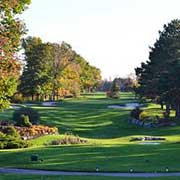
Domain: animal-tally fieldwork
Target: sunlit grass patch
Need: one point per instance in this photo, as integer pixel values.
(108, 135)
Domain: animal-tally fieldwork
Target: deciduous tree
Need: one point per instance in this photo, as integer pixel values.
(11, 30)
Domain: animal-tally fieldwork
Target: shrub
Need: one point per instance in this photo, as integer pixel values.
(115, 89)
(68, 139)
(27, 111)
(115, 95)
(6, 123)
(10, 138)
(2, 135)
(54, 142)
(16, 143)
(1, 145)
(11, 131)
(35, 131)
(143, 115)
(23, 121)
(136, 112)
(111, 94)
(17, 98)
(108, 94)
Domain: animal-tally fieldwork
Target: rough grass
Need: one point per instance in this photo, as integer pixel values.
(108, 133)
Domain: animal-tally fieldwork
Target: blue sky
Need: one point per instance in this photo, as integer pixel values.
(113, 35)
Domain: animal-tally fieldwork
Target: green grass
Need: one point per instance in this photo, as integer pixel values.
(106, 157)
(108, 133)
(40, 177)
(89, 118)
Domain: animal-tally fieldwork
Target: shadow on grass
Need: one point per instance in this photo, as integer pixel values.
(108, 158)
(92, 119)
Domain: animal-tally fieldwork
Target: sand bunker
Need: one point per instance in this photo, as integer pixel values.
(150, 143)
(14, 107)
(125, 106)
(51, 103)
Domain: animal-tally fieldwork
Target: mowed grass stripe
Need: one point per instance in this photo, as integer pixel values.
(108, 133)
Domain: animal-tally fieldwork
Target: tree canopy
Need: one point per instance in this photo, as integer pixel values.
(11, 30)
(159, 76)
(53, 70)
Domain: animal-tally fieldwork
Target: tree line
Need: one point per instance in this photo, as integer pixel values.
(50, 70)
(54, 70)
(126, 84)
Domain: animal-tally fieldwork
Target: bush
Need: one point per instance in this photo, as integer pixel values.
(2, 135)
(68, 139)
(17, 98)
(27, 111)
(6, 123)
(1, 145)
(143, 115)
(17, 143)
(35, 131)
(108, 94)
(115, 89)
(23, 121)
(10, 138)
(54, 142)
(136, 112)
(114, 95)
(11, 131)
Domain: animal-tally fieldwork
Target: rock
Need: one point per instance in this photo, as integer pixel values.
(173, 124)
(136, 122)
(147, 125)
(148, 138)
(141, 123)
(133, 121)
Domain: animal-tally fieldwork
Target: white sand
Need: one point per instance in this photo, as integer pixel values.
(49, 103)
(150, 143)
(126, 106)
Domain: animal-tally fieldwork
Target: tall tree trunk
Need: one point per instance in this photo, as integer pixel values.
(177, 109)
(167, 109)
(53, 96)
(38, 97)
(49, 97)
(162, 105)
(42, 97)
(32, 97)
(54, 89)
